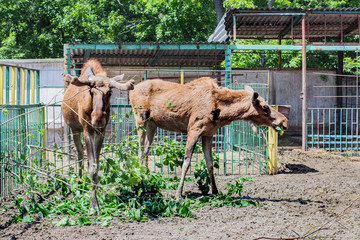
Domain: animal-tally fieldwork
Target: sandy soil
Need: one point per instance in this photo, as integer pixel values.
(311, 189)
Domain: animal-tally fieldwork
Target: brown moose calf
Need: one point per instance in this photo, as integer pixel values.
(198, 108)
(86, 108)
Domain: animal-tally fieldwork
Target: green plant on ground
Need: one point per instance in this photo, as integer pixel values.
(235, 187)
(126, 190)
(202, 175)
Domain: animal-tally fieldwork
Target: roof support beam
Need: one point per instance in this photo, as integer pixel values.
(150, 46)
(288, 28)
(296, 47)
(87, 55)
(352, 27)
(157, 56)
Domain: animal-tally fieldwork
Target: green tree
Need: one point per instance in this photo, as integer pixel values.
(39, 28)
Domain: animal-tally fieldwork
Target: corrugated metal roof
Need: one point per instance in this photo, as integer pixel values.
(277, 22)
(220, 34)
(144, 54)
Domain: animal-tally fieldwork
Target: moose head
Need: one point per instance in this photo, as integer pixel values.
(261, 114)
(100, 88)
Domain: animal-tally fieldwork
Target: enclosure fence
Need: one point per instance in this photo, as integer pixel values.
(34, 135)
(335, 128)
(19, 85)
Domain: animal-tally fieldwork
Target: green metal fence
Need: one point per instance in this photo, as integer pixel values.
(334, 129)
(22, 133)
(35, 134)
(251, 149)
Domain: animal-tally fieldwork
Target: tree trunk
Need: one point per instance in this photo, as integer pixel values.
(220, 10)
(271, 3)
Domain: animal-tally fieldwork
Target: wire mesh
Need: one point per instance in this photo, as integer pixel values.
(21, 128)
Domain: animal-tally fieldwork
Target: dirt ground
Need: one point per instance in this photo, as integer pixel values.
(313, 191)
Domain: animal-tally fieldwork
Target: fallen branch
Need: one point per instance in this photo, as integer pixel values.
(41, 196)
(46, 174)
(52, 150)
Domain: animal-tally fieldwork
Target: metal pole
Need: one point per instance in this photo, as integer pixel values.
(227, 67)
(7, 85)
(1, 84)
(234, 28)
(279, 55)
(227, 82)
(182, 77)
(67, 66)
(13, 85)
(357, 96)
(22, 86)
(37, 74)
(18, 86)
(272, 148)
(357, 79)
(32, 87)
(303, 92)
(28, 86)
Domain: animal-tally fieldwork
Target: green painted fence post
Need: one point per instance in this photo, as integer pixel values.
(28, 86)
(7, 85)
(227, 81)
(37, 76)
(18, 86)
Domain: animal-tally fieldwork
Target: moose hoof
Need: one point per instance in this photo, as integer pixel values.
(95, 209)
(177, 197)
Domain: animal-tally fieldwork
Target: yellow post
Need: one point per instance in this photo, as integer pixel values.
(1, 84)
(273, 144)
(182, 77)
(22, 86)
(13, 86)
(32, 87)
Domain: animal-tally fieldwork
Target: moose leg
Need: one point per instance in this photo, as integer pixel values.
(207, 143)
(80, 151)
(193, 136)
(145, 140)
(93, 147)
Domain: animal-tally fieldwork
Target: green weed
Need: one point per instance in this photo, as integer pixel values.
(126, 190)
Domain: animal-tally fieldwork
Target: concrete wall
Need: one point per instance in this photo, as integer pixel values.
(285, 87)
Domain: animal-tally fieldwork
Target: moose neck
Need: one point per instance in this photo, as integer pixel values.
(235, 106)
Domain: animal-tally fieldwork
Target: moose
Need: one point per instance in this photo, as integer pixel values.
(86, 108)
(198, 108)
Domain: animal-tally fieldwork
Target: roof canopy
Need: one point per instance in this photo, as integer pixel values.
(270, 23)
(143, 54)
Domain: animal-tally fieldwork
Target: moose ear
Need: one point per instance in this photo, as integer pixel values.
(254, 98)
(69, 79)
(89, 72)
(248, 88)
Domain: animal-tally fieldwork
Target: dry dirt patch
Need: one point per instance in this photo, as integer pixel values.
(310, 189)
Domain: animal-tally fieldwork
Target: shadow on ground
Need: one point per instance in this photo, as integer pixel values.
(297, 169)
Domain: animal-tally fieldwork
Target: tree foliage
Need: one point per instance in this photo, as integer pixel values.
(39, 28)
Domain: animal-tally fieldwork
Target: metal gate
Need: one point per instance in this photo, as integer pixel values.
(336, 129)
